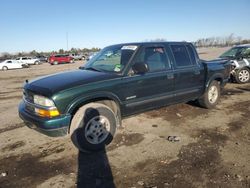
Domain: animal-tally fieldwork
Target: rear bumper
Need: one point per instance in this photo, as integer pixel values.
(53, 127)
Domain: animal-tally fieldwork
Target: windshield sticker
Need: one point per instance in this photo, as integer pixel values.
(129, 47)
(117, 68)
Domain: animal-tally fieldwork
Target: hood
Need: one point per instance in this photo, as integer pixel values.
(48, 85)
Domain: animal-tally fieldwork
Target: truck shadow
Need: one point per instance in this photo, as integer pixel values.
(94, 170)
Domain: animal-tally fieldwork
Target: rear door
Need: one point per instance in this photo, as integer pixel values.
(152, 89)
(188, 72)
(65, 58)
(25, 60)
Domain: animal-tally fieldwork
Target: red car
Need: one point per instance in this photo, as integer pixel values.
(60, 58)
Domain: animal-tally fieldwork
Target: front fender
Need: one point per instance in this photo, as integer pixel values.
(80, 101)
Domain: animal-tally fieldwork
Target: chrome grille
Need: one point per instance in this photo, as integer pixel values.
(28, 96)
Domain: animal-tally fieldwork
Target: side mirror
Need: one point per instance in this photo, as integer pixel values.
(246, 56)
(140, 68)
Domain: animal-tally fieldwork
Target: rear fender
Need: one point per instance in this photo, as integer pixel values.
(218, 77)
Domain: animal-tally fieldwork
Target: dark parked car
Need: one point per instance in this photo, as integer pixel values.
(121, 80)
(60, 58)
(42, 58)
(239, 57)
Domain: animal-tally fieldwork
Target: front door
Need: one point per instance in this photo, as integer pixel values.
(152, 89)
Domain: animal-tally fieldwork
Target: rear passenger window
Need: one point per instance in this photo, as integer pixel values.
(191, 54)
(181, 55)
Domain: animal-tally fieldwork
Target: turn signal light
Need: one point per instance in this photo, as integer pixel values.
(47, 113)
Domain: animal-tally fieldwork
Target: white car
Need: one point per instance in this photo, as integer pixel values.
(29, 60)
(77, 56)
(12, 64)
(91, 55)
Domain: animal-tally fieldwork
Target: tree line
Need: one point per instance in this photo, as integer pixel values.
(34, 53)
(229, 40)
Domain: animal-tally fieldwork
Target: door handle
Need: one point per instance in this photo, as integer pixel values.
(170, 76)
(196, 72)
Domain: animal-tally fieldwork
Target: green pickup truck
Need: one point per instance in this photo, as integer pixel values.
(121, 80)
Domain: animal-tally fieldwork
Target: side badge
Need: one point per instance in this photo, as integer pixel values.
(131, 97)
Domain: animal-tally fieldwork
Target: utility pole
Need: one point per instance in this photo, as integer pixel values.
(67, 39)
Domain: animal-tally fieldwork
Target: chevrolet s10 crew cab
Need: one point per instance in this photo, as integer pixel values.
(88, 104)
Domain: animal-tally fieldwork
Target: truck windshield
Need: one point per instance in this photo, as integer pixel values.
(233, 52)
(112, 58)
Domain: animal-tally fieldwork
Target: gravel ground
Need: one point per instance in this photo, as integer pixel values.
(213, 150)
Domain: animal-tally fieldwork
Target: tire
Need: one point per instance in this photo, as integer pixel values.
(242, 76)
(55, 63)
(4, 68)
(93, 127)
(36, 63)
(211, 97)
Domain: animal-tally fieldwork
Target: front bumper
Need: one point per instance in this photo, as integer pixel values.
(53, 127)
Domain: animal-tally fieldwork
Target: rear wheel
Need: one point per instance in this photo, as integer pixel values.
(55, 63)
(211, 97)
(242, 75)
(5, 68)
(92, 127)
(36, 63)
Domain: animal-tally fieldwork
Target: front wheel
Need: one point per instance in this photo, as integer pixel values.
(212, 95)
(92, 127)
(242, 75)
(5, 68)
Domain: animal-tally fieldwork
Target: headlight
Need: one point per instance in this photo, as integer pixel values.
(47, 109)
(43, 101)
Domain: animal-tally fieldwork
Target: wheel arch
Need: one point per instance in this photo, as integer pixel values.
(239, 68)
(6, 67)
(108, 99)
(217, 77)
(247, 67)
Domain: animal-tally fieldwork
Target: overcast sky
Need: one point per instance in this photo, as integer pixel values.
(43, 25)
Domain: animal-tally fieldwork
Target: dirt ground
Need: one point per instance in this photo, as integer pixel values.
(213, 150)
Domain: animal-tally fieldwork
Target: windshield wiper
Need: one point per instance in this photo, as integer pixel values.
(93, 69)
